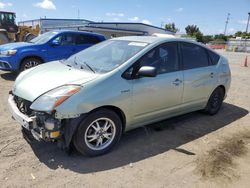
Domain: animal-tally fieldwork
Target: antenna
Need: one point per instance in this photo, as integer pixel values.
(228, 17)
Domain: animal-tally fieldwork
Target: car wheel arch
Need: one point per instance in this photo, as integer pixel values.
(115, 109)
(30, 56)
(72, 125)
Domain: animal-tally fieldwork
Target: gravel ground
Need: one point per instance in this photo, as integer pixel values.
(193, 150)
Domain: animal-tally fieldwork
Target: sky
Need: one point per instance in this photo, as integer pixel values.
(208, 15)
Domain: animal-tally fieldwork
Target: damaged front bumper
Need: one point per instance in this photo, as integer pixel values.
(42, 126)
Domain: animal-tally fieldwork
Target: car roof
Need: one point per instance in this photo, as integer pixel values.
(78, 32)
(157, 39)
(147, 39)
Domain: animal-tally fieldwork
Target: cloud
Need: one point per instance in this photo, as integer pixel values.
(113, 14)
(134, 19)
(243, 22)
(179, 9)
(4, 5)
(46, 4)
(147, 22)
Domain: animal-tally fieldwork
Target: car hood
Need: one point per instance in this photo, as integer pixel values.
(36, 81)
(15, 45)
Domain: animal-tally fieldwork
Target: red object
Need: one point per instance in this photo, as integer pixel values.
(245, 62)
(217, 46)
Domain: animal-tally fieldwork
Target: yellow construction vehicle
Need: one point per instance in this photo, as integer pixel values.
(10, 32)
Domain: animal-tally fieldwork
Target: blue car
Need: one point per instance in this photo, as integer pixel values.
(50, 46)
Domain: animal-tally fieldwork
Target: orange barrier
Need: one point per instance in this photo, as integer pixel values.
(245, 62)
(217, 46)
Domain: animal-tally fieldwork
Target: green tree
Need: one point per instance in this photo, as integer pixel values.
(238, 34)
(192, 30)
(199, 37)
(221, 37)
(207, 38)
(171, 27)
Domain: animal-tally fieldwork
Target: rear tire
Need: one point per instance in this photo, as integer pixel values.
(215, 101)
(3, 38)
(98, 133)
(29, 63)
(28, 37)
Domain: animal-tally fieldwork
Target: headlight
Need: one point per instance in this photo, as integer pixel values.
(49, 101)
(8, 52)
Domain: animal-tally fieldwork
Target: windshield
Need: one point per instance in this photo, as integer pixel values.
(41, 39)
(105, 56)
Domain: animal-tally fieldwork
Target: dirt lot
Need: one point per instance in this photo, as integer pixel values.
(194, 150)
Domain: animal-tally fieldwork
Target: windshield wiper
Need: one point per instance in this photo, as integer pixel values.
(89, 67)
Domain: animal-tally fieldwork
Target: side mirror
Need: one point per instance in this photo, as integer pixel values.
(147, 71)
(55, 43)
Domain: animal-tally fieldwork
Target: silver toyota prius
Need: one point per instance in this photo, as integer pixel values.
(90, 99)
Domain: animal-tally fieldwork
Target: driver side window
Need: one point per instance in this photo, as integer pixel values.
(164, 58)
(65, 39)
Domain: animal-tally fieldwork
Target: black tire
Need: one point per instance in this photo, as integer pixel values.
(215, 101)
(29, 63)
(85, 128)
(28, 37)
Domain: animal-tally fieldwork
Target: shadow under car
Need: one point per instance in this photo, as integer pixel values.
(141, 143)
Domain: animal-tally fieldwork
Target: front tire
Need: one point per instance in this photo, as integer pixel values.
(98, 133)
(215, 101)
(29, 63)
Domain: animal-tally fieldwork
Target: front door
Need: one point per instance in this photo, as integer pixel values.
(155, 97)
(65, 48)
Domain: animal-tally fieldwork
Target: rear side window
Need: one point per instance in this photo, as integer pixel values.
(193, 56)
(213, 57)
(87, 39)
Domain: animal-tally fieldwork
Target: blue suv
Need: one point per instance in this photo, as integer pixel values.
(50, 46)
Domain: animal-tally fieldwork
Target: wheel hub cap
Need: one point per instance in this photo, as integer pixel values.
(100, 134)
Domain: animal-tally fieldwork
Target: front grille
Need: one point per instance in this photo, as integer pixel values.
(23, 105)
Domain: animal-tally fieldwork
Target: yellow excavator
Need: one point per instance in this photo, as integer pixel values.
(10, 32)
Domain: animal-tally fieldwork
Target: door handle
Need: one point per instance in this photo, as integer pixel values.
(177, 82)
(211, 74)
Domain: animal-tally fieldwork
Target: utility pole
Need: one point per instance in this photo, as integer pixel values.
(225, 31)
(247, 31)
(162, 24)
(248, 22)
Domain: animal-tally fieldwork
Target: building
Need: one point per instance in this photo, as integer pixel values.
(238, 45)
(108, 29)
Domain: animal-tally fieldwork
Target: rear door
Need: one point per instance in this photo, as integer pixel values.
(155, 97)
(199, 76)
